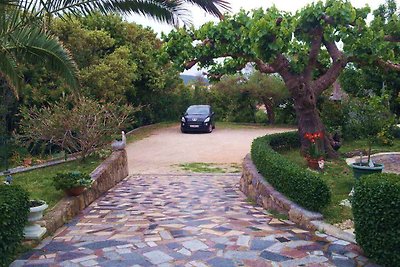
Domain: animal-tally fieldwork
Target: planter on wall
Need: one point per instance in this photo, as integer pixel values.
(365, 169)
(75, 191)
(33, 230)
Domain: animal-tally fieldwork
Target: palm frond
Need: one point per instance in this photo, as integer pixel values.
(162, 10)
(213, 7)
(32, 44)
(8, 72)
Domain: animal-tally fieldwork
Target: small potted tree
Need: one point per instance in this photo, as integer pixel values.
(371, 116)
(73, 183)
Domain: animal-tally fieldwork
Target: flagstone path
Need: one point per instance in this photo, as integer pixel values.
(185, 220)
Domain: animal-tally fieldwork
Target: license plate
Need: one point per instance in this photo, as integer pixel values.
(194, 126)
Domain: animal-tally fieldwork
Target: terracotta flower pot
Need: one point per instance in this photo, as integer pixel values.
(312, 163)
(75, 191)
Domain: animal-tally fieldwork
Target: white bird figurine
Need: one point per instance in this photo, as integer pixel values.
(119, 145)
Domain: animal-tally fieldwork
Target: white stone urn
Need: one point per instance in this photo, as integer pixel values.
(33, 230)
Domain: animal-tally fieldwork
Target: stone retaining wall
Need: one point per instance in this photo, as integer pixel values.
(110, 172)
(254, 186)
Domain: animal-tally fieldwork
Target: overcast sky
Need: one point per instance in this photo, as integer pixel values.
(199, 17)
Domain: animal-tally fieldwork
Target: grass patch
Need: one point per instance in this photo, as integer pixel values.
(142, 133)
(39, 182)
(376, 148)
(251, 201)
(339, 177)
(202, 167)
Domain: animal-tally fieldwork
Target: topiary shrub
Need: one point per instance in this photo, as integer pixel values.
(302, 186)
(14, 210)
(376, 210)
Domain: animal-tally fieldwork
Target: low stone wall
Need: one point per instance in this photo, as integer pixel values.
(109, 173)
(254, 186)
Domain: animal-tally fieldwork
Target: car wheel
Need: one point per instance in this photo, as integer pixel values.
(182, 130)
(210, 128)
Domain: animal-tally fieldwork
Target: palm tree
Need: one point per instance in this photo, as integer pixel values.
(23, 35)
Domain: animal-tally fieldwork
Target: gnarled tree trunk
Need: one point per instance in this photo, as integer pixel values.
(269, 107)
(309, 121)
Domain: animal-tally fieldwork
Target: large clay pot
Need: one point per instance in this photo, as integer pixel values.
(75, 191)
(364, 169)
(33, 230)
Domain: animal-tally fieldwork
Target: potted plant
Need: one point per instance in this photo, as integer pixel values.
(315, 153)
(73, 183)
(33, 230)
(370, 117)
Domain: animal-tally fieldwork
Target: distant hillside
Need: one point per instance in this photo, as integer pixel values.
(189, 78)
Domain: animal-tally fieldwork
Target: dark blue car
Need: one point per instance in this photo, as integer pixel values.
(199, 118)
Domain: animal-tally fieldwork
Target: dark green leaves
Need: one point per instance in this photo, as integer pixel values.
(376, 212)
(14, 209)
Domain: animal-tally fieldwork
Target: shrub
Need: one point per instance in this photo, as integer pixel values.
(333, 115)
(75, 123)
(285, 112)
(367, 117)
(376, 213)
(396, 131)
(302, 186)
(71, 179)
(14, 210)
(261, 116)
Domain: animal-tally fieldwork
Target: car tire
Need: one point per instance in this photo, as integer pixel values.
(182, 130)
(210, 128)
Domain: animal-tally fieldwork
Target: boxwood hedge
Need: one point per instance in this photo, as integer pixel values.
(300, 185)
(376, 210)
(14, 210)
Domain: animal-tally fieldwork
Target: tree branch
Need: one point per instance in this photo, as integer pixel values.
(392, 38)
(282, 66)
(263, 67)
(332, 74)
(314, 51)
(388, 64)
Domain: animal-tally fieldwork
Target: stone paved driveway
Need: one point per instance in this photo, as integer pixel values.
(181, 220)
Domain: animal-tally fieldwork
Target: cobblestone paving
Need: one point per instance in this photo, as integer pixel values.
(160, 220)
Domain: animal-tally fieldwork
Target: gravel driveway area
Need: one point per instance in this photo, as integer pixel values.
(167, 147)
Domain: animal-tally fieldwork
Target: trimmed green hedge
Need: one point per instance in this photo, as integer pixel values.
(14, 210)
(302, 186)
(376, 210)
